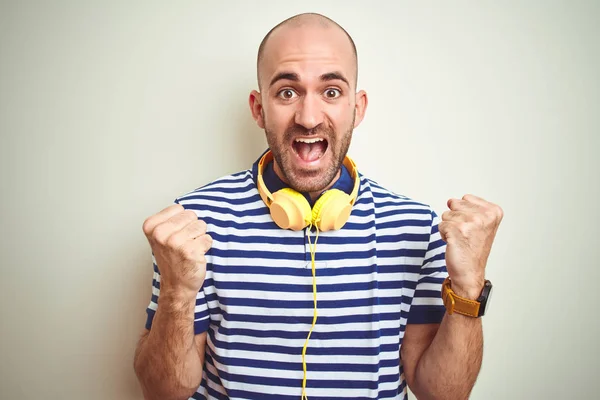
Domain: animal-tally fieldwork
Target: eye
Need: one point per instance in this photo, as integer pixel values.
(332, 93)
(286, 94)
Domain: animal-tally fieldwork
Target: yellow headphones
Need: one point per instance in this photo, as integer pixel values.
(290, 209)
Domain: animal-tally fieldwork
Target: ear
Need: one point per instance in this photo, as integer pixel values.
(361, 107)
(256, 108)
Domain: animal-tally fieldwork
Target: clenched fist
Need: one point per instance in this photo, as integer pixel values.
(179, 241)
(469, 229)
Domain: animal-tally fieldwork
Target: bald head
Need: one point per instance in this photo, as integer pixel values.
(292, 26)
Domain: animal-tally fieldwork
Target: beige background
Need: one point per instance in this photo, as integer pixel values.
(109, 110)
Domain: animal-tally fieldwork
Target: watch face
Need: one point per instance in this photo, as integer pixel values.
(489, 298)
(485, 298)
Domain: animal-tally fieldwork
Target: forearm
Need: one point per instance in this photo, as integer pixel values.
(167, 361)
(449, 367)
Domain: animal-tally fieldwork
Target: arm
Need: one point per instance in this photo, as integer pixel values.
(169, 358)
(442, 361)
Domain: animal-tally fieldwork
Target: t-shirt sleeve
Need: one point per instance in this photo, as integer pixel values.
(201, 315)
(427, 306)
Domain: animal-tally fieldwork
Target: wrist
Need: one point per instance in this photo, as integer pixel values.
(468, 289)
(180, 298)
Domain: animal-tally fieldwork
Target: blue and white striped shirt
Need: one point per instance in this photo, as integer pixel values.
(382, 270)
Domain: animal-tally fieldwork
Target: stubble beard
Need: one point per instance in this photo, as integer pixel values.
(309, 181)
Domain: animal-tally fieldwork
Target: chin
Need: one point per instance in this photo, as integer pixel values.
(309, 182)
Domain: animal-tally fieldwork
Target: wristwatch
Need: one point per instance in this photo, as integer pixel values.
(471, 308)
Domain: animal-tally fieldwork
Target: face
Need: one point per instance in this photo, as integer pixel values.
(308, 106)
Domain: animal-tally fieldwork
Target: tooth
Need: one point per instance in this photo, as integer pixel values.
(309, 140)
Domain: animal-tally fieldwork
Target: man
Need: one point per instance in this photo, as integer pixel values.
(239, 294)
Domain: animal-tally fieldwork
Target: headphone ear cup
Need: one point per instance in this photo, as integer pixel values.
(332, 210)
(290, 210)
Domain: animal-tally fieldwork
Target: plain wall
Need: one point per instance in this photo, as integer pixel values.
(109, 110)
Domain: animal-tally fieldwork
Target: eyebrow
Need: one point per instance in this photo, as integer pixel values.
(333, 76)
(292, 76)
(288, 76)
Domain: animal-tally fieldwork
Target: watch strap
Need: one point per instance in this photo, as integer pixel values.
(456, 304)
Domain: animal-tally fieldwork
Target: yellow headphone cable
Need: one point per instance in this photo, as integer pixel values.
(313, 250)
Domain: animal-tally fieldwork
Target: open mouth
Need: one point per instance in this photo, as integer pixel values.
(310, 149)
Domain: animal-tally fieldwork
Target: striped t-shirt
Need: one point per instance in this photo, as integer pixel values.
(382, 270)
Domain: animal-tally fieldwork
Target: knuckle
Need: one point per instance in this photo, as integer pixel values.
(201, 225)
(147, 226)
(197, 229)
(175, 207)
(463, 228)
(173, 242)
(443, 227)
(491, 216)
(188, 251)
(478, 219)
(160, 234)
(500, 212)
(208, 240)
(194, 229)
(190, 214)
(494, 213)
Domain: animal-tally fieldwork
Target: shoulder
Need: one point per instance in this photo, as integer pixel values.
(238, 183)
(388, 203)
(225, 193)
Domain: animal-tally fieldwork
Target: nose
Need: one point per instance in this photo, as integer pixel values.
(309, 113)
